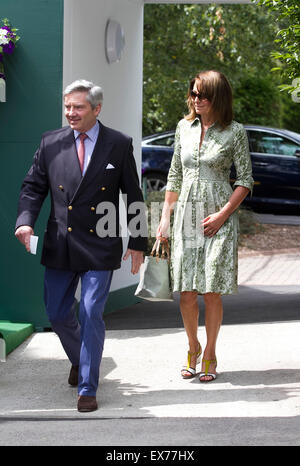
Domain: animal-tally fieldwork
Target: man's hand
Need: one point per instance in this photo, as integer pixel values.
(23, 234)
(137, 258)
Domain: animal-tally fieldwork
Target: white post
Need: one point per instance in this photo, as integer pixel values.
(2, 90)
(2, 350)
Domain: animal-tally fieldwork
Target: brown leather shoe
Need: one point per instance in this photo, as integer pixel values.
(86, 403)
(73, 376)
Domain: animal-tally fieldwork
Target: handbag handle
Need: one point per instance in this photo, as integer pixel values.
(165, 250)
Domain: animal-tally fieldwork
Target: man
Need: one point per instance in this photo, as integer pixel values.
(84, 166)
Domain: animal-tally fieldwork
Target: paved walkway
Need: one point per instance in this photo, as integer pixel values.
(277, 269)
(142, 398)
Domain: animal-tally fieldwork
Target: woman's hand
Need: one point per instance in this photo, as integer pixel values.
(212, 224)
(162, 232)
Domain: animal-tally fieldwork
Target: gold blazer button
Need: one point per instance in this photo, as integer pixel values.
(93, 208)
(61, 187)
(70, 207)
(69, 229)
(103, 188)
(91, 231)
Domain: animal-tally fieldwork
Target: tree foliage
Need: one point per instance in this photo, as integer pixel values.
(181, 40)
(288, 39)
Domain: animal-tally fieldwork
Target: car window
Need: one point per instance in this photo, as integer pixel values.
(163, 141)
(271, 143)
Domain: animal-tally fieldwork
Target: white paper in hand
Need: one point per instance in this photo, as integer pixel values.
(33, 244)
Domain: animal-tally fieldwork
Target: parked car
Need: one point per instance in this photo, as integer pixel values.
(275, 155)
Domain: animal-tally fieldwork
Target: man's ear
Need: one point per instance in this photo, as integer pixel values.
(98, 109)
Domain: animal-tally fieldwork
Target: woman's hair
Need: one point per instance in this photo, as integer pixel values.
(94, 93)
(216, 88)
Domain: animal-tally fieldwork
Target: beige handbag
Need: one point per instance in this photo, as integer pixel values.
(155, 282)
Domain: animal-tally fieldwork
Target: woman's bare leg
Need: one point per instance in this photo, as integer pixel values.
(213, 321)
(190, 315)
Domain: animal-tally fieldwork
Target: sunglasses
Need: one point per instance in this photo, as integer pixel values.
(200, 96)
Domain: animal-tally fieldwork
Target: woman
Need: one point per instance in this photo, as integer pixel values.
(205, 229)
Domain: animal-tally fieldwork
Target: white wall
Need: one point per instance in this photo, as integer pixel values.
(84, 57)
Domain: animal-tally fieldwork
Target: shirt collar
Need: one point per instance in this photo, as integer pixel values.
(91, 133)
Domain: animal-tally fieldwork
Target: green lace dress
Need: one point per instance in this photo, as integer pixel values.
(201, 178)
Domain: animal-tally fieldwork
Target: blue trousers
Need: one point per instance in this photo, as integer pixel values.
(82, 339)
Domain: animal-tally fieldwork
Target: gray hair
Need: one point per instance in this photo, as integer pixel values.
(94, 93)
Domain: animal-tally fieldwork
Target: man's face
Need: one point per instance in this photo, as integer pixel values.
(79, 112)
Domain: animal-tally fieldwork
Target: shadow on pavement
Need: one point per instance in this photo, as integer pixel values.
(251, 305)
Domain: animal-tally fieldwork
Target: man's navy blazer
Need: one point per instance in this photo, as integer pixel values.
(71, 241)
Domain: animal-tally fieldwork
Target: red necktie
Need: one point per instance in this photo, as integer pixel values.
(81, 150)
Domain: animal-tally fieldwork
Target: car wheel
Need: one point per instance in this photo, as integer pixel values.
(155, 182)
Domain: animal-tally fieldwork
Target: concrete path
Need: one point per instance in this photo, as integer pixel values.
(275, 270)
(143, 400)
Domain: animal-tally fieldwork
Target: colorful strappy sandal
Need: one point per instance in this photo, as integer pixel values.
(191, 371)
(207, 363)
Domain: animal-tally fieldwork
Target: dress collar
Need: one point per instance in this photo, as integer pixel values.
(196, 121)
